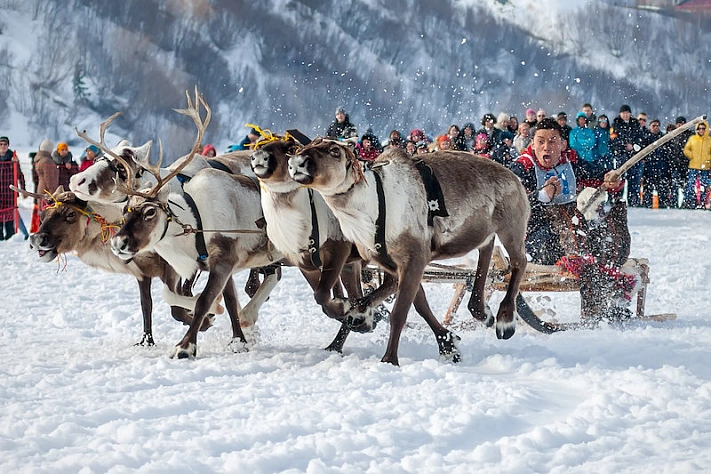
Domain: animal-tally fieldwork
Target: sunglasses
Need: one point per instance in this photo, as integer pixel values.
(642, 120)
(701, 128)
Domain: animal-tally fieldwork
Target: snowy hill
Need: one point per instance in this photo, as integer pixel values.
(283, 64)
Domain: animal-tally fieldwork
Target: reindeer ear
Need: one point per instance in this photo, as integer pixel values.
(142, 153)
(163, 194)
(59, 190)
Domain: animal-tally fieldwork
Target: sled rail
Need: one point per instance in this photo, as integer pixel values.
(540, 278)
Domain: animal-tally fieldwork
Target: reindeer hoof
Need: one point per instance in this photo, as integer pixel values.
(185, 353)
(448, 349)
(505, 331)
(238, 346)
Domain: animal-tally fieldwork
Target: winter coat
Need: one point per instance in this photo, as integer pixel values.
(698, 149)
(47, 172)
(525, 168)
(602, 143)
(342, 130)
(622, 133)
(582, 140)
(658, 162)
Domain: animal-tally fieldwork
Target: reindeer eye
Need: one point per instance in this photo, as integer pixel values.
(335, 152)
(71, 215)
(149, 213)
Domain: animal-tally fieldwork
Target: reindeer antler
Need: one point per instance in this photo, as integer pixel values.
(102, 144)
(46, 196)
(192, 111)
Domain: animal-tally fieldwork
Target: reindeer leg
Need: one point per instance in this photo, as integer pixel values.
(144, 289)
(249, 314)
(217, 279)
(446, 340)
(360, 317)
(237, 344)
(477, 301)
(409, 277)
(505, 320)
(350, 275)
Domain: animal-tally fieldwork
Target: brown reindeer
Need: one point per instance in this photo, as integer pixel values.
(306, 231)
(389, 214)
(71, 225)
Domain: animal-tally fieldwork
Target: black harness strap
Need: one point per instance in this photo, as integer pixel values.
(380, 245)
(314, 237)
(199, 236)
(433, 191)
(219, 166)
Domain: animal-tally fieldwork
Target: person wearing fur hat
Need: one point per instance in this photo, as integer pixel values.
(9, 170)
(342, 128)
(89, 157)
(46, 170)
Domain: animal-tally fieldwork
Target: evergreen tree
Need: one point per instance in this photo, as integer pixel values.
(81, 94)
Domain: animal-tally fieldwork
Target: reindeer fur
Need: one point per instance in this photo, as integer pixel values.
(483, 199)
(224, 201)
(66, 228)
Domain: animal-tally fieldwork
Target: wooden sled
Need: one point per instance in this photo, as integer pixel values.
(538, 278)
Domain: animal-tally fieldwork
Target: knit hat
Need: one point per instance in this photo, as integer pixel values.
(207, 148)
(530, 112)
(340, 110)
(5, 139)
(62, 146)
(46, 145)
(93, 148)
(680, 119)
(561, 115)
(625, 108)
(443, 138)
(417, 135)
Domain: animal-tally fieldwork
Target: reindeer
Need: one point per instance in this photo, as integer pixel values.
(105, 180)
(70, 224)
(157, 220)
(386, 212)
(307, 232)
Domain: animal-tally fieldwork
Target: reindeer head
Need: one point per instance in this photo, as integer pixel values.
(63, 225)
(146, 220)
(147, 215)
(106, 179)
(270, 161)
(329, 166)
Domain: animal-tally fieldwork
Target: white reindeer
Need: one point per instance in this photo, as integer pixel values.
(386, 213)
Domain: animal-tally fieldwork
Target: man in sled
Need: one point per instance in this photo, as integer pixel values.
(558, 234)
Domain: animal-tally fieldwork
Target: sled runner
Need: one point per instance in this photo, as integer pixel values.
(538, 278)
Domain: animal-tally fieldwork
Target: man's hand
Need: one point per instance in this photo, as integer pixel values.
(612, 180)
(552, 187)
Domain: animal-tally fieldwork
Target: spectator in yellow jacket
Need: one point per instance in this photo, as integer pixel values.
(698, 151)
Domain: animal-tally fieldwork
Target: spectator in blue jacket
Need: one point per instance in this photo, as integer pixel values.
(582, 139)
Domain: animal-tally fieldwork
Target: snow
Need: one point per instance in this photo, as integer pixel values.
(78, 396)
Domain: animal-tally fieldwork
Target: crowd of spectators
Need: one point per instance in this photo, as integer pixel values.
(674, 175)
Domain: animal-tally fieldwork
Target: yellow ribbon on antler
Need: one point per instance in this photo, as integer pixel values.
(267, 136)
